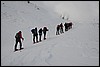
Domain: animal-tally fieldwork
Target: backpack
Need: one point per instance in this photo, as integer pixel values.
(40, 31)
(17, 35)
(32, 31)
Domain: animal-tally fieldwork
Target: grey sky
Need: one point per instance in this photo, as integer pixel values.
(83, 10)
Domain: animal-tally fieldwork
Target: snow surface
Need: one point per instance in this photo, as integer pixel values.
(77, 47)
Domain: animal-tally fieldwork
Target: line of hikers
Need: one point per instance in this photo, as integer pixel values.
(59, 28)
(35, 34)
(18, 36)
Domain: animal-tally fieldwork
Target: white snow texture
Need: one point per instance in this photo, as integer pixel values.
(78, 46)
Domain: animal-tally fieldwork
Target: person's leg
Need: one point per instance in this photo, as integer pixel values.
(44, 36)
(20, 44)
(16, 45)
(33, 38)
(40, 37)
(56, 32)
(65, 28)
(36, 38)
(62, 30)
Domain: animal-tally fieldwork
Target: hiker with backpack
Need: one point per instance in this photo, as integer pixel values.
(18, 37)
(57, 29)
(35, 35)
(66, 26)
(70, 25)
(44, 32)
(40, 34)
(61, 28)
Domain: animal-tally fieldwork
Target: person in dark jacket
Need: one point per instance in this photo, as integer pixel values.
(36, 34)
(18, 37)
(44, 32)
(57, 28)
(70, 25)
(66, 26)
(40, 33)
(61, 28)
(33, 31)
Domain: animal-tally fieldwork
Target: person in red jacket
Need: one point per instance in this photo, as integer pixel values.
(18, 39)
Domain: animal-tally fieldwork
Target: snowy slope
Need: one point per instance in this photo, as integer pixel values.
(78, 46)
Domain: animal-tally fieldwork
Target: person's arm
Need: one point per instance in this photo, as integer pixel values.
(47, 29)
(21, 36)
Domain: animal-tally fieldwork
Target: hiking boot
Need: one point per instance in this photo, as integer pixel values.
(44, 38)
(16, 50)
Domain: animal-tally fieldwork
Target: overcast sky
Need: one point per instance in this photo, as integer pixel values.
(74, 9)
